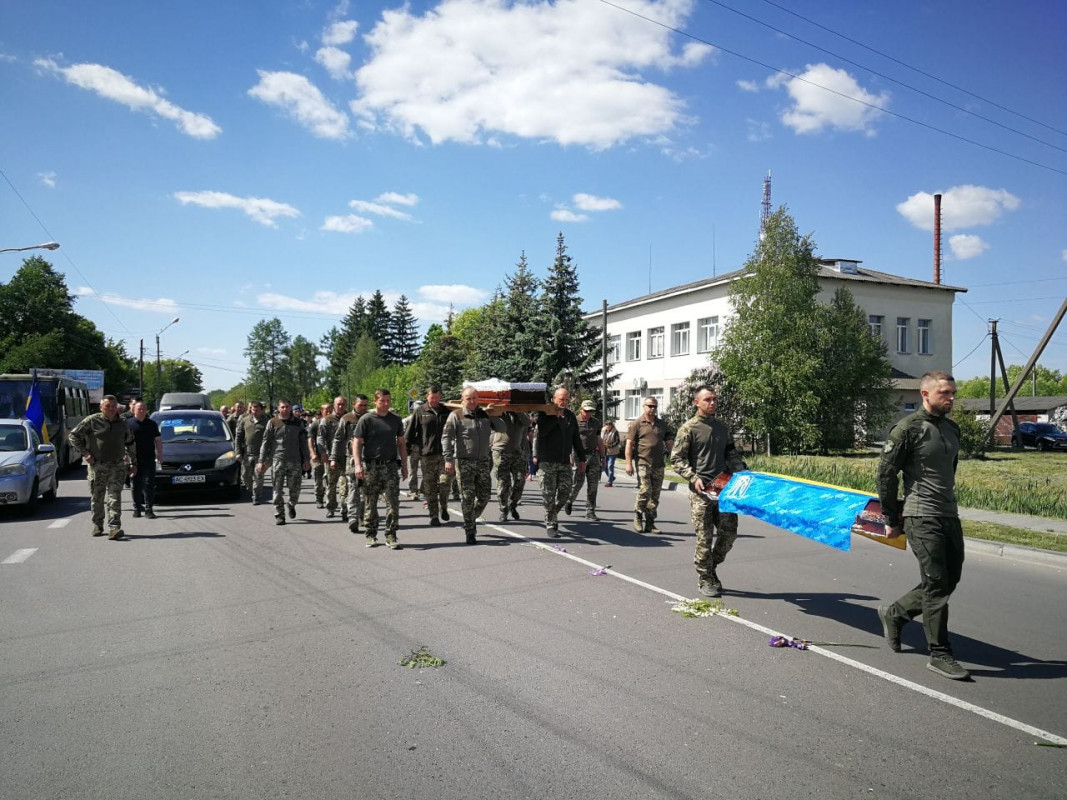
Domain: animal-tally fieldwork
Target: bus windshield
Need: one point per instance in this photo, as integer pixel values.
(15, 392)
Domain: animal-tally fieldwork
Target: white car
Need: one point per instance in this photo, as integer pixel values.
(28, 468)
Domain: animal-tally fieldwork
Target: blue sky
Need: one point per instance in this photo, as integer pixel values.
(226, 162)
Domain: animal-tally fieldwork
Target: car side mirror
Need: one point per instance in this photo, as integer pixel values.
(46, 448)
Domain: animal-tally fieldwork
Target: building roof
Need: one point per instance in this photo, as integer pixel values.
(1023, 405)
(861, 275)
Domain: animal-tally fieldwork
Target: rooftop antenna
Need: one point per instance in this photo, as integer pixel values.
(765, 210)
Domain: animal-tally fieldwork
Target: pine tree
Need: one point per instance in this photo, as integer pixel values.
(378, 325)
(302, 356)
(441, 361)
(518, 332)
(403, 333)
(268, 362)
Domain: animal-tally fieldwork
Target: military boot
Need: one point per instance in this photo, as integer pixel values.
(650, 523)
(639, 522)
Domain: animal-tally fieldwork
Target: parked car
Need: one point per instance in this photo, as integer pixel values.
(28, 468)
(182, 400)
(1042, 435)
(198, 453)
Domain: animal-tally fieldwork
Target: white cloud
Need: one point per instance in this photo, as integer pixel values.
(758, 131)
(965, 245)
(162, 305)
(456, 294)
(350, 223)
(322, 302)
(335, 62)
(212, 351)
(590, 202)
(340, 33)
(966, 206)
(113, 85)
(748, 86)
(379, 209)
(566, 215)
(260, 209)
(301, 100)
(815, 108)
(48, 179)
(472, 70)
(398, 199)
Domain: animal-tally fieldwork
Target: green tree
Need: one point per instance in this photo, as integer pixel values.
(365, 359)
(440, 362)
(331, 346)
(175, 375)
(379, 323)
(728, 407)
(1050, 383)
(267, 351)
(973, 442)
(403, 333)
(304, 368)
(766, 350)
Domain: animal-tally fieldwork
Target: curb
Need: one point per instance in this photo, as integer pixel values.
(1016, 552)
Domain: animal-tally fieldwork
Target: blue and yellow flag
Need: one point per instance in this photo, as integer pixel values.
(35, 410)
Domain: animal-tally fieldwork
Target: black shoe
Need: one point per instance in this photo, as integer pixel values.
(292, 511)
(136, 513)
(435, 522)
(256, 501)
(568, 509)
(353, 525)
(715, 583)
(503, 517)
(344, 515)
(444, 514)
(947, 667)
(319, 504)
(330, 513)
(393, 544)
(149, 513)
(552, 529)
(471, 538)
(650, 525)
(279, 519)
(890, 628)
(514, 512)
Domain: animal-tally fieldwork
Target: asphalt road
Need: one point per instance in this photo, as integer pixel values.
(213, 654)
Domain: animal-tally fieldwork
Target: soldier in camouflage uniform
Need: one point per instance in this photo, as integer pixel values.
(648, 440)
(556, 447)
(378, 447)
(424, 435)
(318, 457)
(234, 419)
(465, 445)
(509, 462)
(335, 474)
(589, 429)
(107, 445)
(704, 448)
(285, 441)
(249, 442)
(924, 447)
(341, 459)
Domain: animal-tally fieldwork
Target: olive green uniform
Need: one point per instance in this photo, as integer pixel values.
(335, 478)
(341, 453)
(649, 441)
(249, 442)
(465, 442)
(589, 430)
(111, 444)
(509, 461)
(381, 459)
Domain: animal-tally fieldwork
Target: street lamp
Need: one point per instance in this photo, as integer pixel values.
(159, 365)
(45, 246)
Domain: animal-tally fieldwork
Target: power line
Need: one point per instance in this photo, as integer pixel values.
(980, 343)
(915, 69)
(888, 77)
(850, 98)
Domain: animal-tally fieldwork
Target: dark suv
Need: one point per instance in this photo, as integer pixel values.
(1042, 435)
(198, 453)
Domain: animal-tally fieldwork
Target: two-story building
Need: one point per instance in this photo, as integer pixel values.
(657, 340)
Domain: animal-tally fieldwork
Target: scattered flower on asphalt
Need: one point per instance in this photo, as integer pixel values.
(601, 570)
(782, 641)
(421, 658)
(702, 608)
(560, 548)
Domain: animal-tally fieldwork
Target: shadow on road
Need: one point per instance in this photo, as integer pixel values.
(177, 535)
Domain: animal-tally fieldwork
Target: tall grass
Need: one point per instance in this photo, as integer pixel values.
(1020, 483)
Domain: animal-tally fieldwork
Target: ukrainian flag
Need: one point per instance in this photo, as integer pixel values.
(35, 410)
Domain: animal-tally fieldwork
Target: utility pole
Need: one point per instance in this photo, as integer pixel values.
(604, 359)
(995, 358)
(140, 372)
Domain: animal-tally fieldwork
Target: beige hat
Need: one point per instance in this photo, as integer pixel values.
(588, 405)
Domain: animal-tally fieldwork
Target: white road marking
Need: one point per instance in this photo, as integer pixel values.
(19, 556)
(60, 523)
(878, 673)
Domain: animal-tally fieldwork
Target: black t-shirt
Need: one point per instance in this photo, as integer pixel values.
(379, 435)
(144, 438)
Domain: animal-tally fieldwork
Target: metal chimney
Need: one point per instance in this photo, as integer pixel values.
(937, 238)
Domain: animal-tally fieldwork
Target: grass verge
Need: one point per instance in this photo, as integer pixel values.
(1006, 534)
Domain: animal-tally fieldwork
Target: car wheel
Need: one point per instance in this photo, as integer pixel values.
(1042, 446)
(50, 495)
(234, 492)
(31, 504)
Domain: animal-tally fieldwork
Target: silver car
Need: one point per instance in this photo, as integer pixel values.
(28, 468)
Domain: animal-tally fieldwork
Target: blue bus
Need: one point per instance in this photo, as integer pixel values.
(64, 400)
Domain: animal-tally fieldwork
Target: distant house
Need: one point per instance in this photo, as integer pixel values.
(655, 341)
(1027, 409)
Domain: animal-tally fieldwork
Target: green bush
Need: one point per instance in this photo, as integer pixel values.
(972, 434)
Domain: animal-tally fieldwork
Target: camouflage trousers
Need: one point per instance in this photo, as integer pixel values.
(509, 469)
(289, 476)
(318, 473)
(706, 520)
(556, 484)
(336, 484)
(475, 487)
(414, 461)
(106, 479)
(354, 495)
(379, 480)
(252, 480)
(591, 481)
(436, 484)
(649, 484)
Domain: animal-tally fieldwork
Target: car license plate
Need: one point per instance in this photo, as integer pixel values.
(187, 479)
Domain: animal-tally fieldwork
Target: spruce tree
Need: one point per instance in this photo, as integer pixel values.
(378, 325)
(403, 333)
(441, 361)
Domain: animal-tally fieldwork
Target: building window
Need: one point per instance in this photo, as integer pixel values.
(680, 339)
(633, 403)
(614, 349)
(657, 395)
(909, 406)
(902, 334)
(655, 342)
(707, 334)
(633, 346)
(614, 399)
(874, 322)
(923, 343)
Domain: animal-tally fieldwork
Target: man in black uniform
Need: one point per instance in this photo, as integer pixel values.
(424, 432)
(149, 448)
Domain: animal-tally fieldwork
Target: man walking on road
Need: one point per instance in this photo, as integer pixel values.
(925, 447)
(335, 475)
(341, 459)
(377, 448)
(648, 439)
(318, 456)
(107, 445)
(285, 440)
(149, 448)
(509, 462)
(424, 433)
(465, 444)
(589, 429)
(556, 447)
(249, 441)
(704, 448)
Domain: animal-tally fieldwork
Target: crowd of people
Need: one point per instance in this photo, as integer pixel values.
(357, 459)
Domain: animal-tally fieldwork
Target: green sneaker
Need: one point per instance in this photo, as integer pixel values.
(372, 542)
(947, 667)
